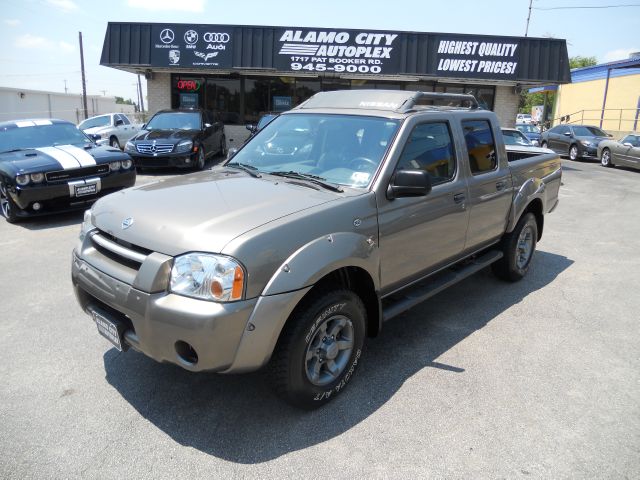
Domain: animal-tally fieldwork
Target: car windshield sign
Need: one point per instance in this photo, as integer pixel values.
(175, 121)
(334, 149)
(41, 136)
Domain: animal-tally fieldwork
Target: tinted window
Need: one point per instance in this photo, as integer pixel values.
(480, 146)
(124, 119)
(175, 120)
(632, 139)
(430, 148)
(588, 132)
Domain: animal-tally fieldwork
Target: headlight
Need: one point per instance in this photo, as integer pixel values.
(126, 164)
(129, 147)
(115, 166)
(37, 177)
(586, 143)
(22, 180)
(184, 146)
(207, 277)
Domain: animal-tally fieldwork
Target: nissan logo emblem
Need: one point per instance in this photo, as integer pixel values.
(211, 37)
(127, 222)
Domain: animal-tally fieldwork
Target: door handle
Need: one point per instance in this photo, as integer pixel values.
(459, 197)
(501, 185)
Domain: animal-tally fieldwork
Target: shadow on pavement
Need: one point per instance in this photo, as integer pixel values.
(54, 220)
(238, 419)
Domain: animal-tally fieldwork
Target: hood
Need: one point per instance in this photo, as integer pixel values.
(61, 157)
(173, 136)
(202, 211)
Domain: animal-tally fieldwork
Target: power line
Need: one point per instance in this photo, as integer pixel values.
(589, 7)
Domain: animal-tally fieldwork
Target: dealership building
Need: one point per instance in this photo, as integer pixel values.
(243, 72)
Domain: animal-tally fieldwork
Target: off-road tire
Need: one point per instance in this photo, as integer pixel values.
(295, 352)
(512, 267)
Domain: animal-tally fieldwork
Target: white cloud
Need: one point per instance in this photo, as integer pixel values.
(66, 5)
(31, 41)
(66, 47)
(12, 22)
(186, 6)
(619, 54)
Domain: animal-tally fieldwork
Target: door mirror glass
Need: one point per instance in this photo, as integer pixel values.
(95, 137)
(207, 125)
(567, 134)
(251, 127)
(231, 153)
(143, 126)
(409, 183)
(627, 144)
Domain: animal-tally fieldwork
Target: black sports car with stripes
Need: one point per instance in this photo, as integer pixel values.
(50, 166)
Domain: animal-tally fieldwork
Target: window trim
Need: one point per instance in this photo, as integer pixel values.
(495, 146)
(447, 123)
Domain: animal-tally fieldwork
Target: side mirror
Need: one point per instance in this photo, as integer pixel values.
(251, 127)
(119, 122)
(95, 137)
(627, 144)
(409, 183)
(143, 126)
(207, 125)
(231, 153)
(567, 134)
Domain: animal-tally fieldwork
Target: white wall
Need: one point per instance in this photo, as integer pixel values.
(16, 104)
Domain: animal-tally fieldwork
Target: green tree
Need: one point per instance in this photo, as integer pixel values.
(122, 101)
(579, 62)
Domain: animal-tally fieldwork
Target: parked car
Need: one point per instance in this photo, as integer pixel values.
(576, 141)
(625, 152)
(50, 166)
(114, 129)
(392, 202)
(524, 118)
(532, 132)
(182, 138)
(513, 136)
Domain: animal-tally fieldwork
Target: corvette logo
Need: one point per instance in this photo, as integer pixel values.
(205, 56)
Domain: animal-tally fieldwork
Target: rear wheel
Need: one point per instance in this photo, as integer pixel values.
(605, 158)
(518, 248)
(319, 348)
(573, 152)
(7, 205)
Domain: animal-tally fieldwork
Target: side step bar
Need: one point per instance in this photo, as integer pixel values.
(404, 300)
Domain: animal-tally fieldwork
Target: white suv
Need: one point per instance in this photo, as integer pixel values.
(523, 118)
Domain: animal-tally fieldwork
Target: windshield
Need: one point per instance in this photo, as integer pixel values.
(341, 149)
(528, 128)
(41, 136)
(514, 137)
(102, 121)
(175, 121)
(588, 132)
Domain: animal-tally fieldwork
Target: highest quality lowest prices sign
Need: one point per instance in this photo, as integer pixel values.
(336, 51)
(476, 58)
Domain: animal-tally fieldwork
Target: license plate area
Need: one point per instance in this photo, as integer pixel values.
(83, 190)
(110, 328)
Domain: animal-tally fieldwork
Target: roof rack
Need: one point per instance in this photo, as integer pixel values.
(400, 101)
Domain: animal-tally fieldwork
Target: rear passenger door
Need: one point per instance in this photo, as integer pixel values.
(417, 234)
(489, 184)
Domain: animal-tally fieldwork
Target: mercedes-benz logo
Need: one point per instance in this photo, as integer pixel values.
(191, 37)
(167, 35)
(127, 222)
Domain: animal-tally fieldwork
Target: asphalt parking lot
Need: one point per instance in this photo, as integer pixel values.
(538, 379)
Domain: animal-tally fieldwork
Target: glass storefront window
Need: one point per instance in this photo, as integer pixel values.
(222, 95)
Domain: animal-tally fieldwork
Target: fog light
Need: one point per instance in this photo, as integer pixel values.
(187, 160)
(36, 206)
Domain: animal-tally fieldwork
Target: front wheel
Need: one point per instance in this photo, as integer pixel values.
(605, 158)
(573, 152)
(223, 147)
(7, 205)
(518, 248)
(114, 143)
(319, 349)
(200, 159)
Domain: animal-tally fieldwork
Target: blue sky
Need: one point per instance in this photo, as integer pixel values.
(40, 37)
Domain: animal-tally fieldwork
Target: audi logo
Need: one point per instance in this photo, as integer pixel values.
(211, 37)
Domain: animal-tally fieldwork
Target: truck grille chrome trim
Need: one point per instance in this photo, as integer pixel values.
(151, 148)
(118, 249)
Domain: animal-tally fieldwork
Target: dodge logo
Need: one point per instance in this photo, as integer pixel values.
(166, 35)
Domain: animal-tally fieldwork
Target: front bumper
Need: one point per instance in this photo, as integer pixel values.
(587, 152)
(175, 160)
(229, 337)
(59, 197)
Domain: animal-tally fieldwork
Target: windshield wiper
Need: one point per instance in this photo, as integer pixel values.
(311, 178)
(250, 169)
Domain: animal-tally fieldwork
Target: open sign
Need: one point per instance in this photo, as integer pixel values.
(189, 85)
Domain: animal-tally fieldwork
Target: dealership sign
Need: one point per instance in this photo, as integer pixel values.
(186, 46)
(471, 57)
(336, 51)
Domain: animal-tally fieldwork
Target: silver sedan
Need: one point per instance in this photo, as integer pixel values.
(625, 152)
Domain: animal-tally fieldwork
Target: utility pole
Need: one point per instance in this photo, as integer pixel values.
(140, 93)
(65, 86)
(526, 32)
(104, 93)
(84, 83)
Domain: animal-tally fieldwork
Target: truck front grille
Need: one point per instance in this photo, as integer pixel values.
(151, 148)
(119, 251)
